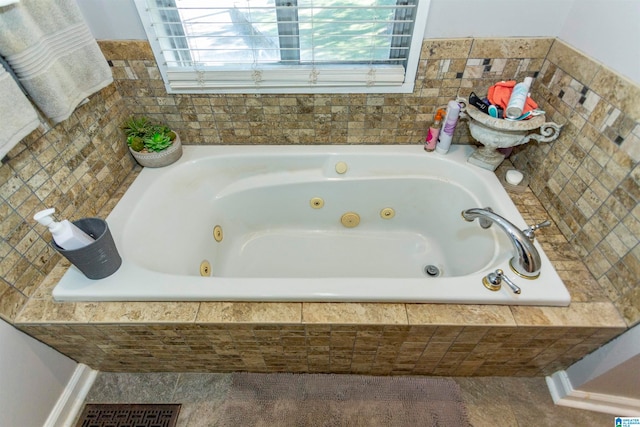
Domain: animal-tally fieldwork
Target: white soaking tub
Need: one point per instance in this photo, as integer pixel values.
(313, 223)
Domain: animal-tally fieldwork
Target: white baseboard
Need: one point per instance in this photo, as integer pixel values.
(564, 394)
(68, 405)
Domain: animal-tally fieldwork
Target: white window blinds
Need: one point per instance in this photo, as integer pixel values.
(285, 45)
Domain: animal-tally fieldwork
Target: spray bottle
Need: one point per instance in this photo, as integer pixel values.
(65, 234)
(434, 130)
(449, 126)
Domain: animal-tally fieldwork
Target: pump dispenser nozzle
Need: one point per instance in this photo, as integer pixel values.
(44, 217)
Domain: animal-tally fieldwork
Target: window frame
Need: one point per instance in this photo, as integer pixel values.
(193, 77)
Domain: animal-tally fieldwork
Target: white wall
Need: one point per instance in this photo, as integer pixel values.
(607, 30)
(112, 19)
(118, 20)
(612, 369)
(496, 18)
(32, 378)
(605, 381)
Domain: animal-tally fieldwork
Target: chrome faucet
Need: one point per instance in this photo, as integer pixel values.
(526, 259)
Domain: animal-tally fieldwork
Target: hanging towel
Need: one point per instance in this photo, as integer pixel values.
(18, 117)
(50, 48)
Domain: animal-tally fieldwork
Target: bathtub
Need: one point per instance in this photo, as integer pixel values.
(313, 223)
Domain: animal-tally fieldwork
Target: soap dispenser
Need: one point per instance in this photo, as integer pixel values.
(65, 234)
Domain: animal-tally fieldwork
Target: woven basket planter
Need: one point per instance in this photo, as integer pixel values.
(159, 159)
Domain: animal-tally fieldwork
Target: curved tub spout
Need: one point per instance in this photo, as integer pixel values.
(526, 260)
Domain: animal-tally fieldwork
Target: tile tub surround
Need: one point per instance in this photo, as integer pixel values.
(47, 169)
(78, 165)
(362, 338)
(448, 68)
(588, 180)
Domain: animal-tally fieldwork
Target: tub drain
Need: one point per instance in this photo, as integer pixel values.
(432, 271)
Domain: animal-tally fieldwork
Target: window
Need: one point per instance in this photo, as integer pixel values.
(285, 46)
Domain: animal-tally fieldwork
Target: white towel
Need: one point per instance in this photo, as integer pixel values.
(50, 48)
(18, 117)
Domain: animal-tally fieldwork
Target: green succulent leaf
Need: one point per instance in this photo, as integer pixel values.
(136, 126)
(142, 134)
(157, 142)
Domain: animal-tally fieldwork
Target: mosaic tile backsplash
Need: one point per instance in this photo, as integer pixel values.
(588, 180)
(75, 167)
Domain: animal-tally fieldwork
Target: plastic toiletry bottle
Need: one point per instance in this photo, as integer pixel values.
(449, 126)
(434, 130)
(518, 98)
(65, 234)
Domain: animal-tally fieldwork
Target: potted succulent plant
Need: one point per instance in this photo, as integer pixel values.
(152, 145)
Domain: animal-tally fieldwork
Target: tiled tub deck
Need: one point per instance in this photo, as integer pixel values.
(358, 338)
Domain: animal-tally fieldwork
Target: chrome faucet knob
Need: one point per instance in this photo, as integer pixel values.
(531, 231)
(493, 282)
(515, 288)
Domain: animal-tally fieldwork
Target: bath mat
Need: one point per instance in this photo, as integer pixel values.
(341, 400)
(118, 415)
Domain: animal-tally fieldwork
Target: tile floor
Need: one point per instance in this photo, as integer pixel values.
(491, 401)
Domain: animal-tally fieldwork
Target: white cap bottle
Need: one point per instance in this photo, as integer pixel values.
(65, 234)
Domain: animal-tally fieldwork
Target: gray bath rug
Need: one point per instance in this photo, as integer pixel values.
(341, 400)
(118, 415)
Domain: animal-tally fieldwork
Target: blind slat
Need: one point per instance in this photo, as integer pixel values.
(336, 36)
(315, 21)
(181, 79)
(270, 8)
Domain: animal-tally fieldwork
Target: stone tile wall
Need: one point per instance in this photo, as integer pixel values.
(589, 179)
(337, 348)
(75, 167)
(445, 71)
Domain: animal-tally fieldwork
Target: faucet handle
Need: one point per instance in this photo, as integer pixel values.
(515, 288)
(493, 281)
(485, 222)
(530, 232)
